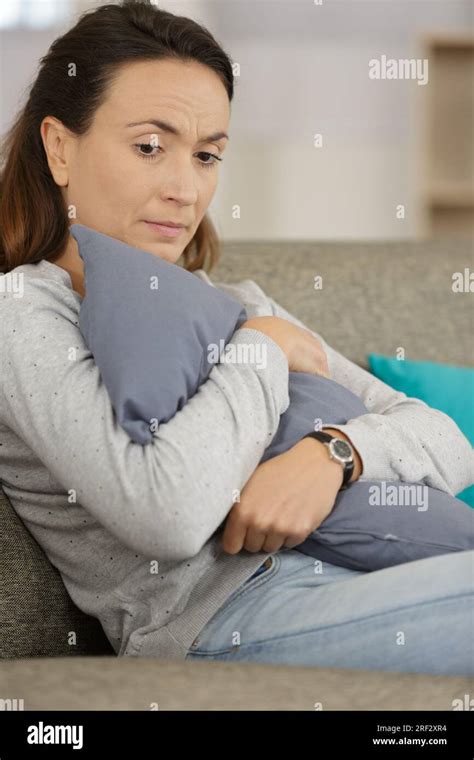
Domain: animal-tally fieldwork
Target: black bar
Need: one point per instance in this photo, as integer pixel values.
(323, 733)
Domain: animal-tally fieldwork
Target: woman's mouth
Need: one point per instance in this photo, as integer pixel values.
(165, 230)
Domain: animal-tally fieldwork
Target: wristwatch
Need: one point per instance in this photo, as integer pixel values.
(339, 450)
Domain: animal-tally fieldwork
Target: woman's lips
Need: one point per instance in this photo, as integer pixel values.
(165, 231)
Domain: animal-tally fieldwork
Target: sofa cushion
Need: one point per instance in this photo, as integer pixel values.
(37, 614)
(442, 386)
(145, 683)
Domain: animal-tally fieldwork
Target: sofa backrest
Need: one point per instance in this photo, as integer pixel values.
(376, 296)
(37, 616)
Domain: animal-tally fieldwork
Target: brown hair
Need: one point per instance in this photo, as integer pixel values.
(33, 216)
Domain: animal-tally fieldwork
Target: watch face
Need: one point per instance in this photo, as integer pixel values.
(341, 449)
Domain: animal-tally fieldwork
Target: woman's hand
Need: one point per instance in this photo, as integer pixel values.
(285, 499)
(303, 350)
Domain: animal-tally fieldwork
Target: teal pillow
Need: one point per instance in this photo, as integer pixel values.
(442, 386)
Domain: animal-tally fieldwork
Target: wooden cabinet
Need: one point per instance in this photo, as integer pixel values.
(448, 172)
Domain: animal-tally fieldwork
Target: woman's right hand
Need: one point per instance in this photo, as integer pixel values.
(303, 350)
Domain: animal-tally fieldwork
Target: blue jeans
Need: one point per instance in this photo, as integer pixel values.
(413, 617)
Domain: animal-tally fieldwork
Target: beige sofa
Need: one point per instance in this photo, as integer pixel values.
(375, 298)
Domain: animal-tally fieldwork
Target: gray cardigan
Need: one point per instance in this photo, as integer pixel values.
(132, 529)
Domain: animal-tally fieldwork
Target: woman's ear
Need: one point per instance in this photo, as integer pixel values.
(57, 142)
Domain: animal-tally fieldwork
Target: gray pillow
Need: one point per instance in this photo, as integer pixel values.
(147, 323)
(150, 346)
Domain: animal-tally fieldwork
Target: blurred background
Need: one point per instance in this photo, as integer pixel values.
(319, 150)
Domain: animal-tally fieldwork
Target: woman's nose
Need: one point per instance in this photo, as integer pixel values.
(178, 182)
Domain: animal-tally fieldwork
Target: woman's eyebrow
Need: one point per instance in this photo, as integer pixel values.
(166, 127)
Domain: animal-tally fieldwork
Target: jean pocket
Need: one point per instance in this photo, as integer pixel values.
(263, 568)
(211, 640)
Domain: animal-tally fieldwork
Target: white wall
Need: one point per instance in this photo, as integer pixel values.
(304, 70)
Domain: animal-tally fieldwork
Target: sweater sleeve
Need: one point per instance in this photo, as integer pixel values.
(162, 500)
(401, 438)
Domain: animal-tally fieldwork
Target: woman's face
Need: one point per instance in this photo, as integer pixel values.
(127, 172)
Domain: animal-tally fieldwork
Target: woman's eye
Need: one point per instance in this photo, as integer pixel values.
(149, 147)
(148, 155)
(211, 155)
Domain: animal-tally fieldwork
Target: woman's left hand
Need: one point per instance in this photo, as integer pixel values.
(285, 499)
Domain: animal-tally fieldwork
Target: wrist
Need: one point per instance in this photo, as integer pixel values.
(317, 450)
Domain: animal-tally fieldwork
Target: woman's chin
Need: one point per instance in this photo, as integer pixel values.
(172, 256)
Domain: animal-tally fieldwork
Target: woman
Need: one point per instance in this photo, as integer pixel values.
(123, 129)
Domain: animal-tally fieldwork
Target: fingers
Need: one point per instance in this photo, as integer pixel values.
(234, 533)
(255, 540)
(237, 536)
(319, 360)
